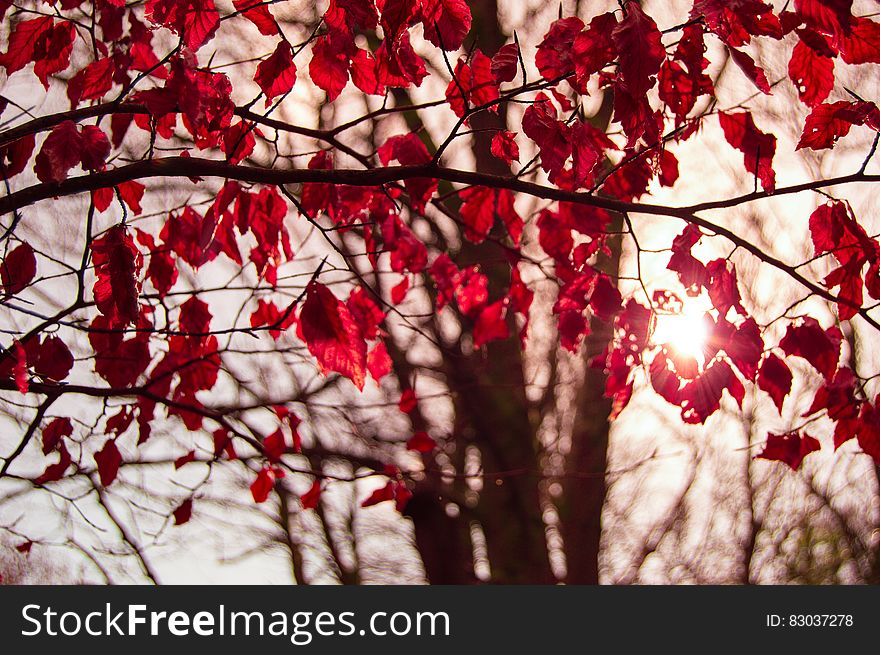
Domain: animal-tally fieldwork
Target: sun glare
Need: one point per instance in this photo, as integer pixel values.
(685, 332)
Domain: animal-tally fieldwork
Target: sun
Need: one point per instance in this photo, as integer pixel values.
(686, 332)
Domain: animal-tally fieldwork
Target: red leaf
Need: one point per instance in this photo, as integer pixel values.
(505, 63)
(421, 442)
(812, 74)
(239, 141)
(752, 71)
(92, 82)
(365, 312)
(861, 45)
(257, 12)
(60, 152)
(274, 446)
(505, 147)
(819, 347)
(263, 485)
(476, 82)
(15, 156)
(638, 42)
(491, 324)
(329, 67)
(472, 292)
(195, 21)
(757, 147)
(869, 430)
(18, 270)
(722, 286)
(183, 513)
(56, 430)
(184, 459)
(94, 147)
(55, 472)
(409, 150)
(52, 51)
(446, 22)
(775, 378)
(22, 41)
(399, 290)
(310, 498)
(594, 49)
(117, 264)
(379, 363)
(108, 460)
(25, 548)
(790, 448)
(332, 335)
(554, 56)
(276, 74)
(551, 136)
(827, 123)
(52, 359)
(701, 397)
(408, 401)
(380, 495)
(477, 212)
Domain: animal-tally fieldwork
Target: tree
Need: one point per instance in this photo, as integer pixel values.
(384, 252)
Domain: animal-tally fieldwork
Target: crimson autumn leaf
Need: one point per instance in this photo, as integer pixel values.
(267, 313)
(195, 21)
(505, 63)
(329, 67)
(379, 363)
(54, 432)
(551, 135)
(775, 378)
(811, 72)
(408, 401)
(310, 498)
(55, 472)
(791, 448)
(274, 445)
(117, 263)
(239, 141)
(183, 512)
(819, 347)
(263, 485)
(119, 361)
(50, 358)
(861, 43)
(18, 269)
(332, 335)
(257, 12)
(22, 42)
(421, 442)
(276, 74)
(473, 85)
(701, 397)
(446, 22)
(92, 82)
(380, 495)
(183, 460)
(637, 39)
(757, 147)
(829, 122)
(554, 56)
(108, 460)
(505, 147)
(15, 156)
(491, 324)
(409, 150)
